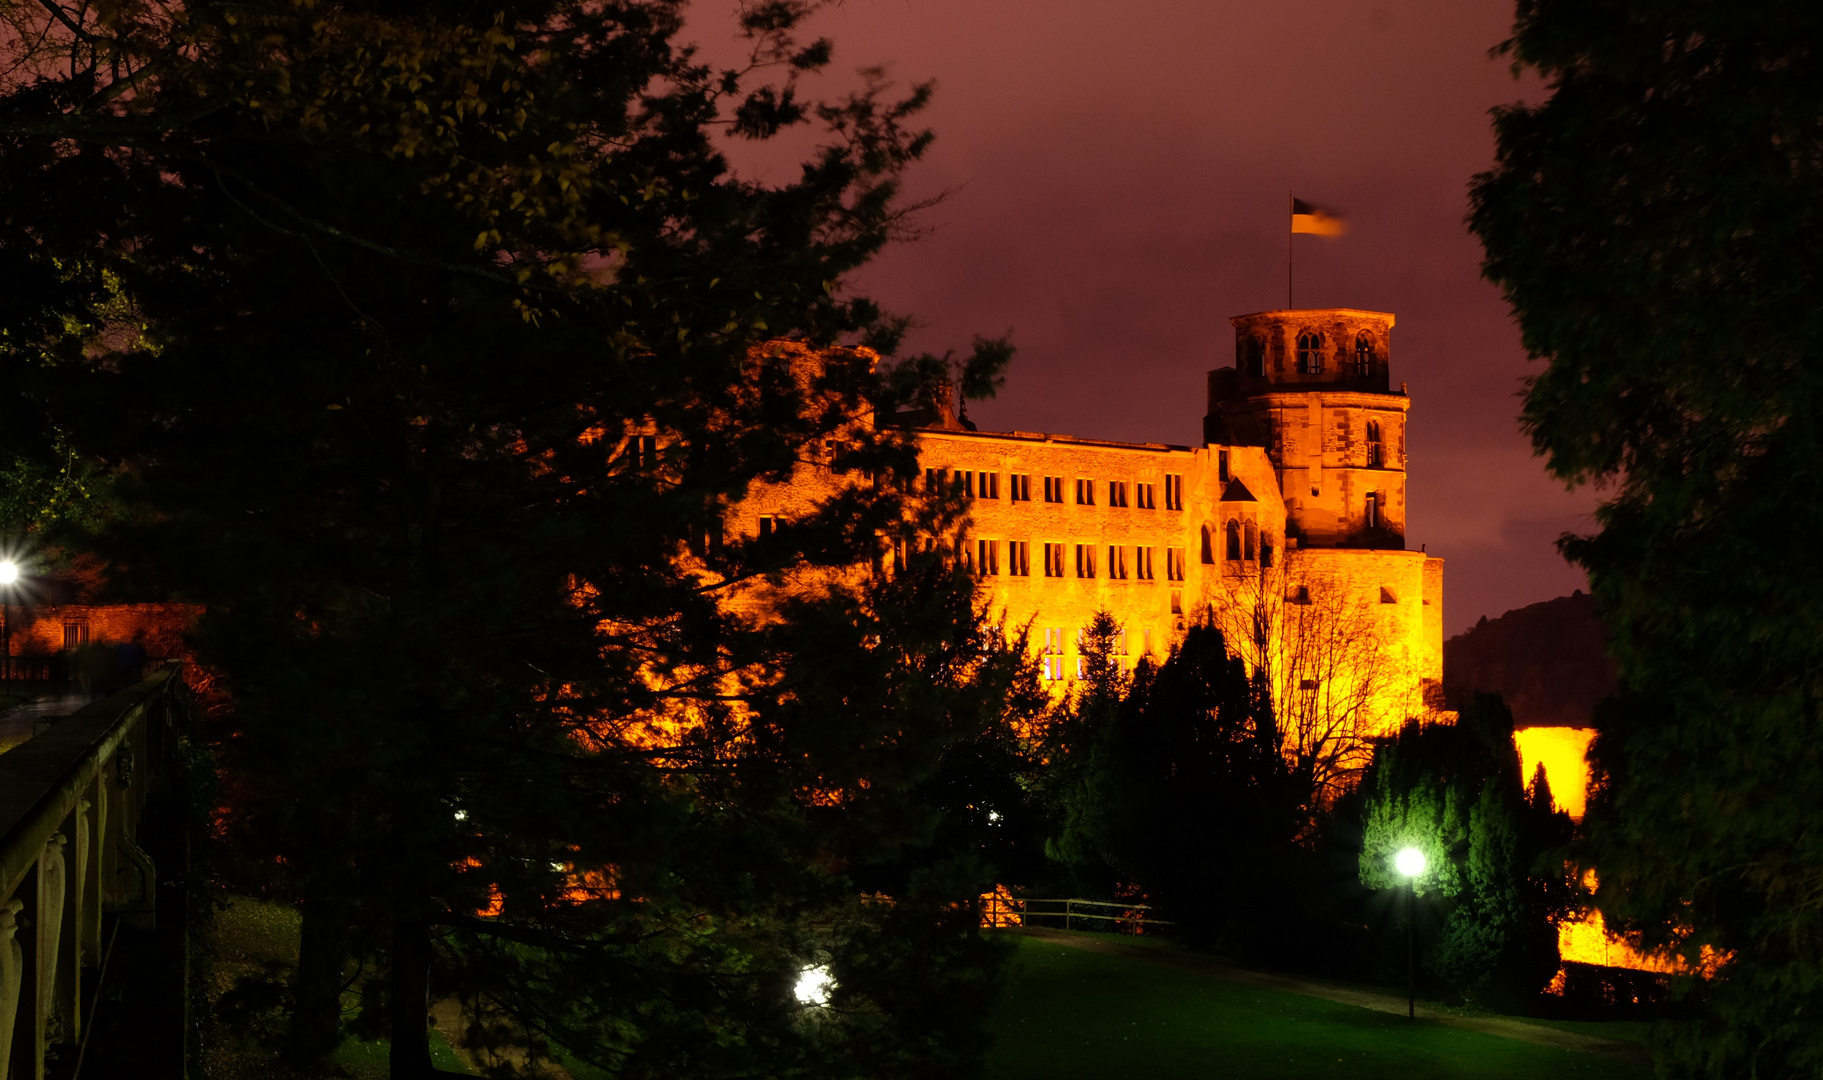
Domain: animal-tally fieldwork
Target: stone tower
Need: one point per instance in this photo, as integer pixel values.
(1313, 387)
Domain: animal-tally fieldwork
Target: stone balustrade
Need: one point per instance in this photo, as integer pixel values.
(71, 869)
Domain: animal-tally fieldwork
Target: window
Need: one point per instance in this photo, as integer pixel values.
(1019, 487)
(1177, 603)
(769, 524)
(1298, 595)
(1145, 496)
(1386, 596)
(1208, 546)
(706, 539)
(987, 557)
(1376, 450)
(1053, 489)
(1253, 357)
(1364, 355)
(1053, 653)
(965, 480)
(1252, 545)
(1053, 560)
(1174, 491)
(645, 451)
(1117, 563)
(1147, 638)
(898, 554)
(1117, 493)
(1174, 564)
(934, 479)
(1142, 563)
(987, 485)
(1373, 510)
(1085, 560)
(1085, 493)
(1221, 466)
(1018, 559)
(1310, 353)
(1234, 541)
(75, 632)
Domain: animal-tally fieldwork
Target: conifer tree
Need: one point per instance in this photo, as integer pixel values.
(1652, 223)
(433, 345)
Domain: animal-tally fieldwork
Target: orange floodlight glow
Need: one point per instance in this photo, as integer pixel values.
(1563, 753)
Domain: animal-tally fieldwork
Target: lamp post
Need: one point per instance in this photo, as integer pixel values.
(9, 576)
(1411, 862)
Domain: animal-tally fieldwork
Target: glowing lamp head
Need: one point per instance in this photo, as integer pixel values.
(813, 985)
(9, 571)
(1410, 862)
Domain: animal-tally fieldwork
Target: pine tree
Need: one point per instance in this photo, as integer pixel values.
(1652, 223)
(431, 348)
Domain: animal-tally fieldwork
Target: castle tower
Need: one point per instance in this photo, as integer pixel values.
(1313, 387)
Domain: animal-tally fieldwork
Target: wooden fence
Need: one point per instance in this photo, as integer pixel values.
(1071, 913)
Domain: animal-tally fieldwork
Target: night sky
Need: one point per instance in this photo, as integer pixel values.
(1119, 175)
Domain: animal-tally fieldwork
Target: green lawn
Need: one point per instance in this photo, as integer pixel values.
(1070, 1014)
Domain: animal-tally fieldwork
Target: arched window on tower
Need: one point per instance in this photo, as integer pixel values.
(1364, 355)
(1376, 448)
(1234, 540)
(1310, 353)
(1254, 358)
(1208, 546)
(1251, 551)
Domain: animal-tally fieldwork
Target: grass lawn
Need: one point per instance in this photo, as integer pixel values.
(1070, 1014)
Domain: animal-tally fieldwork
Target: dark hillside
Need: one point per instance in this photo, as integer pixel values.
(1548, 660)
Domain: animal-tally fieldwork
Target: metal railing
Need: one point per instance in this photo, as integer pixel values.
(71, 804)
(1003, 910)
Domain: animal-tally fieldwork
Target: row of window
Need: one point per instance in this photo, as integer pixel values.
(1240, 542)
(1121, 493)
(1313, 353)
(1052, 659)
(1123, 562)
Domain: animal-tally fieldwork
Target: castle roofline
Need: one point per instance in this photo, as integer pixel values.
(1358, 312)
(1048, 437)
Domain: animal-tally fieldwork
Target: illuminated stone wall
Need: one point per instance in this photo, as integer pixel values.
(1271, 515)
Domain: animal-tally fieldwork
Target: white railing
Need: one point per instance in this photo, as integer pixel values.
(71, 801)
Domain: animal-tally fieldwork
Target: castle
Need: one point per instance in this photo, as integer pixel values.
(1286, 527)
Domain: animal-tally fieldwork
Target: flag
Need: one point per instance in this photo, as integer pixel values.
(1306, 218)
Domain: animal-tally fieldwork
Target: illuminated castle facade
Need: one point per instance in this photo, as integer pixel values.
(1286, 526)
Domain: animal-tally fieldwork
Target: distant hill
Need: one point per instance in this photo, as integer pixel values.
(1548, 661)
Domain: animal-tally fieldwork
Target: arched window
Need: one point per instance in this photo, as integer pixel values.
(1373, 510)
(1234, 540)
(1253, 542)
(1376, 449)
(1253, 359)
(1208, 546)
(1364, 355)
(1310, 353)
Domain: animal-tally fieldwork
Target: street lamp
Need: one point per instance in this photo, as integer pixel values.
(9, 577)
(1411, 862)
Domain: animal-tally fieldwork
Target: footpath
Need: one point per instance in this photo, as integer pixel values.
(1503, 1027)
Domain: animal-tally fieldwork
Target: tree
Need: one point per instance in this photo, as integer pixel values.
(1172, 777)
(1652, 224)
(1319, 647)
(432, 348)
(1494, 853)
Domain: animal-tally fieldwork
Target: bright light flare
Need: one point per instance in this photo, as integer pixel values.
(9, 571)
(814, 985)
(1410, 862)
